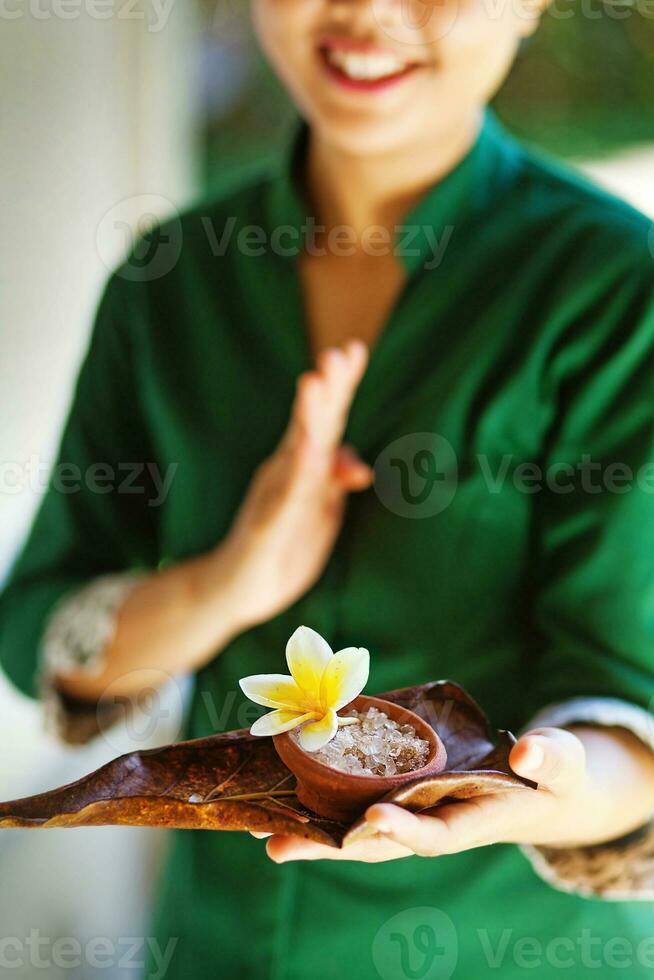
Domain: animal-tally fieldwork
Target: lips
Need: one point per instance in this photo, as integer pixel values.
(363, 66)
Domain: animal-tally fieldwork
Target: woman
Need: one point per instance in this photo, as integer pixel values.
(508, 311)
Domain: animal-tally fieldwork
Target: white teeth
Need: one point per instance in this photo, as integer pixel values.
(365, 67)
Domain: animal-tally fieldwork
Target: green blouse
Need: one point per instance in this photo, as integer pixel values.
(508, 545)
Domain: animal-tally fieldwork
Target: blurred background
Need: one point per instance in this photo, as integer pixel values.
(111, 110)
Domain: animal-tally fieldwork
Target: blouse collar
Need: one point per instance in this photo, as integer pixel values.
(470, 188)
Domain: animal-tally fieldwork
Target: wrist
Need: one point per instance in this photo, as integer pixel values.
(217, 594)
(616, 795)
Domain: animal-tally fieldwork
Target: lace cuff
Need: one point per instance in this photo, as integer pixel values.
(76, 636)
(620, 870)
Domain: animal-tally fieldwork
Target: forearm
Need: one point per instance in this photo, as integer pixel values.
(171, 623)
(618, 795)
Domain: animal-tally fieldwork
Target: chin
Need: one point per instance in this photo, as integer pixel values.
(365, 136)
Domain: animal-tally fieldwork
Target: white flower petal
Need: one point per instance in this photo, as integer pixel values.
(307, 655)
(276, 722)
(274, 691)
(344, 678)
(317, 733)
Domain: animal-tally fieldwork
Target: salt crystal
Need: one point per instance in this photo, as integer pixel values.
(379, 746)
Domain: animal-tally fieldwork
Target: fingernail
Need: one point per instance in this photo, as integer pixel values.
(357, 345)
(534, 758)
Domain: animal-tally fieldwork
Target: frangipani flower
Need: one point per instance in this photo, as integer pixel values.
(321, 683)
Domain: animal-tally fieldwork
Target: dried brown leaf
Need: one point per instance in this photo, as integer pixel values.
(235, 781)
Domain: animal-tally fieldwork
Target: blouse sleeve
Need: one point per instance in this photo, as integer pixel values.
(590, 643)
(619, 870)
(591, 571)
(100, 512)
(76, 637)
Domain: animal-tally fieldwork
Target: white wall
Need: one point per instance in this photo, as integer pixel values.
(94, 111)
(629, 174)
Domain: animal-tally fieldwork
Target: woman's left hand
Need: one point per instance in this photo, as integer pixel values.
(573, 805)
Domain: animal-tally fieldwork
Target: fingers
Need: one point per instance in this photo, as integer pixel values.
(422, 835)
(456, 827)
(351, 473)
(552, 757)
(343, 367)
(281, 849)
(324, 396)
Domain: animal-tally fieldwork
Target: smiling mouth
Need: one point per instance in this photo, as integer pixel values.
(360, 69)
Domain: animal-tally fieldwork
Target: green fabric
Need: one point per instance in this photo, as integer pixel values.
(531, 341)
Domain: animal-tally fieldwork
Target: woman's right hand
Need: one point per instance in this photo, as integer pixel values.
(286, 528)
(179, 618)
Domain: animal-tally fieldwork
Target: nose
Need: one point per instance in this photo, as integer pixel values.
(412, 23)
(377, 10)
